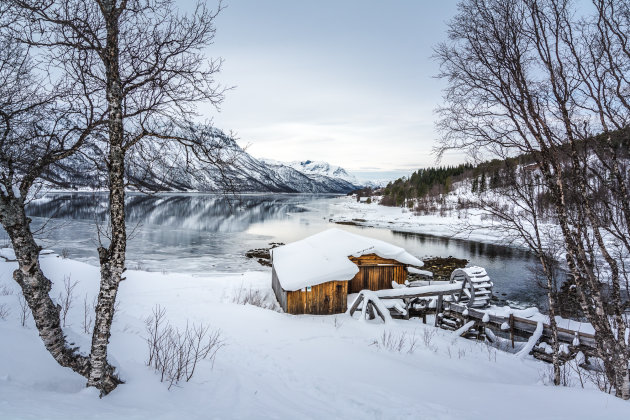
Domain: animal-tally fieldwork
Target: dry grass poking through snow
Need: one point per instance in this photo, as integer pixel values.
(5, 290)
(175, 353)
(398, 342)
(4, 308)
(4, 311)
(255, 297)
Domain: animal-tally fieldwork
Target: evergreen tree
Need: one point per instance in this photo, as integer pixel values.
(495, 180)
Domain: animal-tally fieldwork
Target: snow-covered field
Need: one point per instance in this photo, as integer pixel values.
(405, 220)
(274, 365)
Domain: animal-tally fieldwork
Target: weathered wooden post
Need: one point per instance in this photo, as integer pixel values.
(438, 309)
(370, 309)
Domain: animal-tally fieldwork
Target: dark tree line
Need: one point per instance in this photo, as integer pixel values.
(423, 182)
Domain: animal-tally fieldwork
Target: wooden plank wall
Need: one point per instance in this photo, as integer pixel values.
(323, 299)
(280, 293)
(376, 273)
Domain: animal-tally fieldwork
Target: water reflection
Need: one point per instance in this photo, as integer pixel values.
(199, 233)
(213, 213)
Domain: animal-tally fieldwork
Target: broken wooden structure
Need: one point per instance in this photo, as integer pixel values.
(476, 289)
(371, 302)
(469, 322)
(454, 316)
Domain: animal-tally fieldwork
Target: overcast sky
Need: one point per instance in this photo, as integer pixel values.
(350, 82)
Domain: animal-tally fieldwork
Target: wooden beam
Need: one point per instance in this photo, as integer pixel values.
(411, 292)
(355, 304)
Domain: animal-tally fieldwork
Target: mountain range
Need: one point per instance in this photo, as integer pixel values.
(169, 172)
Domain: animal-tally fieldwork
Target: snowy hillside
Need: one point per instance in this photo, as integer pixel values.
(169, 172)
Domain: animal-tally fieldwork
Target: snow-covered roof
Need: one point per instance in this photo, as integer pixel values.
(323, 257)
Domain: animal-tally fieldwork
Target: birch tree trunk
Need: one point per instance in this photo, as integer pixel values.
(112, 259)
(36, 286)
(139, 69)
(546, 263)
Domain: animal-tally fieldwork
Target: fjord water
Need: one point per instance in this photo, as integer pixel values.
(202, 233)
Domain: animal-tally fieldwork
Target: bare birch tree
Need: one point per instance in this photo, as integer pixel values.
(515, 208)
(40, 125)
(141, 64)
(532, 77)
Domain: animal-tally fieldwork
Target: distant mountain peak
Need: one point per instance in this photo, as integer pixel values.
(321, 168)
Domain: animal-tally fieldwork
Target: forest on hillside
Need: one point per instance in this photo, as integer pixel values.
(431, 184)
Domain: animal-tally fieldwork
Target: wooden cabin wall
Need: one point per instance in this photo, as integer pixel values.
(323, 299)
(376, 273)
(280, 293)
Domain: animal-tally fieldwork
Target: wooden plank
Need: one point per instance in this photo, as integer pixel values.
(415, 292)
(323, 299)
(382, 315)
(511, 321)
(356, 304)
(372, 259)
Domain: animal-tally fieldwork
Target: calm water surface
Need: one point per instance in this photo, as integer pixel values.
(202, 233)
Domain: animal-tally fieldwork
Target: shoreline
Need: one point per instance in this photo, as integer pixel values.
(402, 220)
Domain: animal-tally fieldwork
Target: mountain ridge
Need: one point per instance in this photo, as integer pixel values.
(171, 172)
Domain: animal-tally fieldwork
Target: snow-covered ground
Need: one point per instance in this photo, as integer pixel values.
(274, 366)
(347, 209)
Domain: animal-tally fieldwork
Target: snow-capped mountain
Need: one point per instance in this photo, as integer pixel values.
(319, 168)
(169, 171)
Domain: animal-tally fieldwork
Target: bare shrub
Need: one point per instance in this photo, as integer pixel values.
(88, 310)
(491, 352)
(5, 290)
(24, 310)
(547, 375)
(66, 297)
(427, 336)
(65, 253)
(396, 342)
(461, 353)
(596, 374)
(337, 323)
(578, 371)
(173, 353)
(4, 311)
(253, 297)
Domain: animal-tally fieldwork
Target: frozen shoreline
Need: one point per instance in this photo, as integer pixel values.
(404, 220)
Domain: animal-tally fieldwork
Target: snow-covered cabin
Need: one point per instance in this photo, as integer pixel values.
(315, 275)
